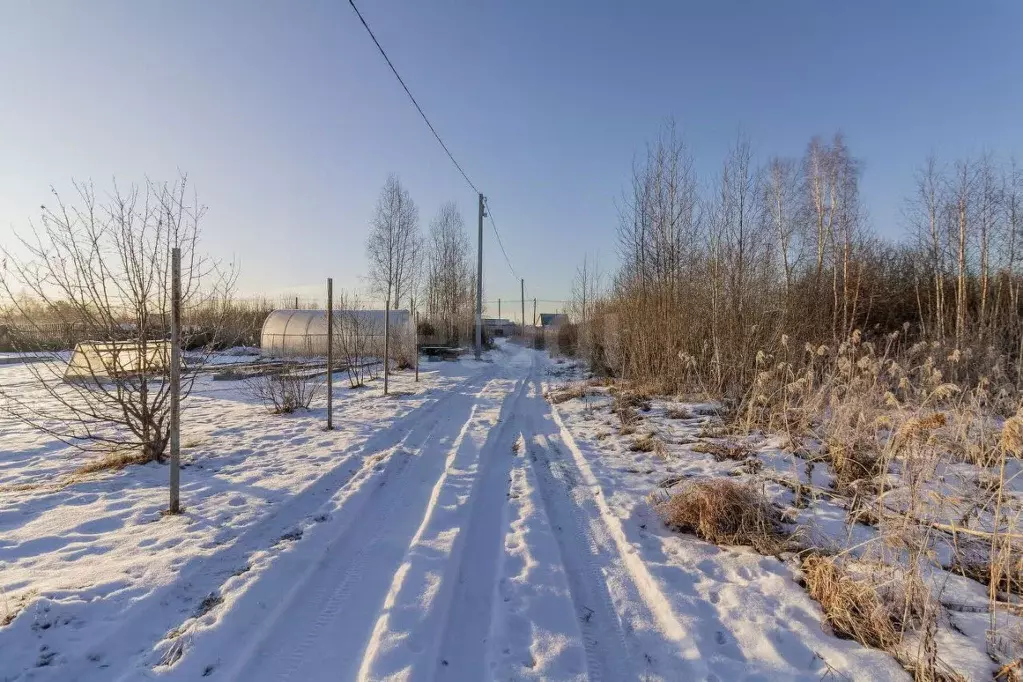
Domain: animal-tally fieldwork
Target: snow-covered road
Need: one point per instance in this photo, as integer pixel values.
(456, 533)
(474, 552)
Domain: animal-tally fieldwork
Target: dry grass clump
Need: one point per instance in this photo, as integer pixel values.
(112, 462)
(852, 605)
(729, 450)
(645, 443)
(725, 512)
(562, 395)
(1005, 577)
(1010, 672)
(857, 463)
(878, 605)
(678, 413)
(632, 398)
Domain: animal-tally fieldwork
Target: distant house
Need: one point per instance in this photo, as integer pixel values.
(553, 320)
(498, 326)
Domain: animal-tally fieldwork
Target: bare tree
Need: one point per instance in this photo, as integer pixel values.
(394, 246)
(924, 212)
(352, 338)
(101, 268)
(962, 194)
(450, 275)
(781, 207)
(586, 287)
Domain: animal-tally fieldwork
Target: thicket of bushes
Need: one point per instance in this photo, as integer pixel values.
(710, 282)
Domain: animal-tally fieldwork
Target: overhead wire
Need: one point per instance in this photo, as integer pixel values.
(409, 93)
(490, 214)
(434, 131)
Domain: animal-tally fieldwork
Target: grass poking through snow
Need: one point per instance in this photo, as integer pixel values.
(726, 512)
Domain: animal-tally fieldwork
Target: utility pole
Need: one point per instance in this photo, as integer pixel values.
(522, 329)
(499, 308)
(330, 354)
(175, 383)
(479, 282)
(416, 323)
(534, 312)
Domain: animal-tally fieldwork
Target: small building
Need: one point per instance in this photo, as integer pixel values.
(303, 333)
(553, 320)
(499, 326)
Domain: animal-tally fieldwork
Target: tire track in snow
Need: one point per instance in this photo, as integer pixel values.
(149, 619)
(534, 633)
(464, 613)
(607, 654)
(625, 637)
(324, 628)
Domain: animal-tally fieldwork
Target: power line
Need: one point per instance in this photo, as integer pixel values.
(490, 214)
(434, 131)
(409, 93)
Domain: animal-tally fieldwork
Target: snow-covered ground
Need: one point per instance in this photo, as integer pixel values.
(463, 529)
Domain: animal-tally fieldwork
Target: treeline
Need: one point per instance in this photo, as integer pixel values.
(712, 281)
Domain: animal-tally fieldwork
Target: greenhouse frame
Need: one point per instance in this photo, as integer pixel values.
(303, 333)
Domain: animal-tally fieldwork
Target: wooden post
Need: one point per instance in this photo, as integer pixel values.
(296, 303)
(330, 354)
(479, 281)
(175, 383)
(532, 332)
(416, 323)
(522, 328)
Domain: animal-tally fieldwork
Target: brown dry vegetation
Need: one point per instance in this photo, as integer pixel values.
(725, 512)
(112, 462)
(724, 451)
(567, 393)
(897, 365)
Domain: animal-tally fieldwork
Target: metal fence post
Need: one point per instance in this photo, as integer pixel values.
(330, 354)
(175, 383)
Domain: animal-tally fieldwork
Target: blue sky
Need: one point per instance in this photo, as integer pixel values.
(288, 120)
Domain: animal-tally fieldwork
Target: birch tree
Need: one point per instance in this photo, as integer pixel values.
(393, 249)
(450, 276)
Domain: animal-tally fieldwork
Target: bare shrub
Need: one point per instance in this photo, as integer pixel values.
(101, 270)
(355, 332)
(286, 391)
(725, 512)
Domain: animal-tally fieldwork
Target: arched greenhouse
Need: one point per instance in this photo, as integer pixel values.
(303, 333)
